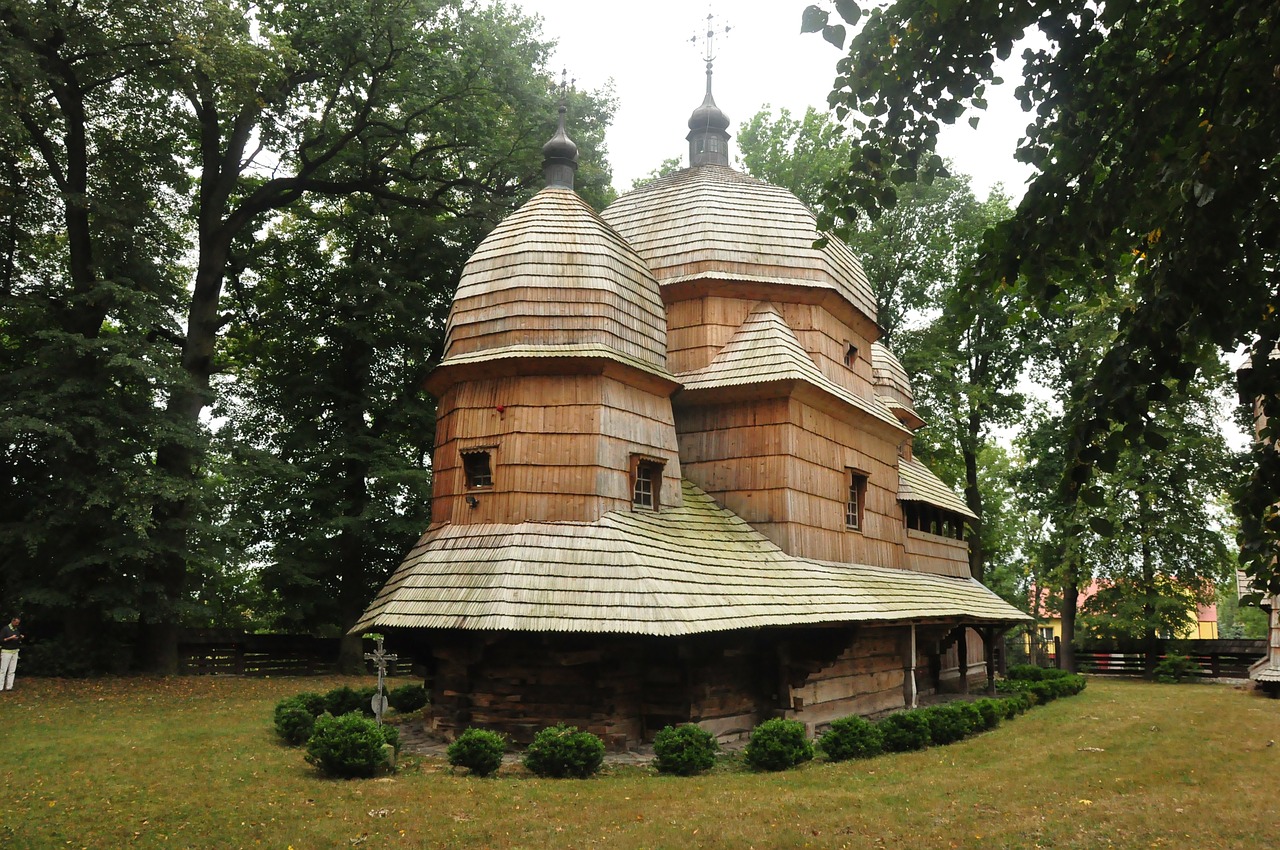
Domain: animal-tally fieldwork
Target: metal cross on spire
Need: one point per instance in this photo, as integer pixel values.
(708, 40)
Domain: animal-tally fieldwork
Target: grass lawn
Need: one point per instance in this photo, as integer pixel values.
(193, 762)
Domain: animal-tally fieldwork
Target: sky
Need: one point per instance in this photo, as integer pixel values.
(658, 77)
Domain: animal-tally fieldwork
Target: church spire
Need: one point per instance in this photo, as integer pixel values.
(560, 154)
(708, 125)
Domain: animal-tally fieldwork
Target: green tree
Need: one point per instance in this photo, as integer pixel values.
(966, 363)
(92, 279)
(329, 428)
(168, 136)
(1153, 136)
(909, 254)
(1170, 551)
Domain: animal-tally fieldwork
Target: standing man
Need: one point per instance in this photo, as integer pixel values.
(10, 641)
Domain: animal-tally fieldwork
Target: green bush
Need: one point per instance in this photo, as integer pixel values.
(905, 731)
(294, 720)
(684, 750)
(345, 700)
(1027, 672)
(478, 750)
(851, 738)
(349, 746)
(992, 712)
(560, 751)
(778, 744)
(407, 698)
(951, 722)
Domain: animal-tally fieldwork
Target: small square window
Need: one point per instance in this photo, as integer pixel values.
(851, 356)
(1046, 633)
(646, 484)
(856, 502)
(477, 469)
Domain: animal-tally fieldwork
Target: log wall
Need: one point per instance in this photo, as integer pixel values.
(865, 678)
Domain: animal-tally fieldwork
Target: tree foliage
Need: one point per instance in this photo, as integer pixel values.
(1153, 136)
(148, 148)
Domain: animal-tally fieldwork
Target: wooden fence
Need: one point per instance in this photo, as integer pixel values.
(1215, 658)
(219, 652)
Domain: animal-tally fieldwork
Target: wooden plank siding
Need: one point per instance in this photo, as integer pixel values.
(560, 447)
(934, 553)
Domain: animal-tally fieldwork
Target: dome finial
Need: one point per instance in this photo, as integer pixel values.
(560, 154)
(708, 125)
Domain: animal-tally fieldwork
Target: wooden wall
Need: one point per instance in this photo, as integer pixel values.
(560, 447)
(782, 465)
(865, 678)
(698, 328)
(936, 553)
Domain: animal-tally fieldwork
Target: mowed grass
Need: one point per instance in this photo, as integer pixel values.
(193, 762)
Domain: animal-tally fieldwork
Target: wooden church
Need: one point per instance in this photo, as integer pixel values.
(673, 477)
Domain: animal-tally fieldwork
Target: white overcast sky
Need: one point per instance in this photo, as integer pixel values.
(658, 76)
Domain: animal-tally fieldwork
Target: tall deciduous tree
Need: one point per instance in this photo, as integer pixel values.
(167, 136)
(328, 423)
(909, 254)
(1154, 133)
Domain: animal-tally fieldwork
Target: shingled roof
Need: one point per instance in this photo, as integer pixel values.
(714, 223)
(764, 350)
(917, 483)
(685, 570)
(554, 273)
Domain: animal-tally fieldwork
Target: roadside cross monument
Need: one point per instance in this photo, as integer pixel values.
(379, 657)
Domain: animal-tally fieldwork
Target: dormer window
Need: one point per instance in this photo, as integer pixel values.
(477, 468)
(646, 483)
(851, 356)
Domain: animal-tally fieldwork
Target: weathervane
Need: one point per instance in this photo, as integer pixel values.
(708, 40)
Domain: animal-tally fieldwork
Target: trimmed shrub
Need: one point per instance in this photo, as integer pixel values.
(349, 746)
(778, 744)
(345, 700)
(949, 722)
(407, 698)
(684, 750)
(851, 738)
(562, 751)
(478, 750)
(992, 712)
(294, 720)
(905, 731)
(1026, 672)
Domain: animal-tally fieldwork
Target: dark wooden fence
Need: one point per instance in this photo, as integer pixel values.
(1215, 658)
(222, 652)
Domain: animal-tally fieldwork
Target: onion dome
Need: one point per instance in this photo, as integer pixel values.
(893, 387)
(708, 132)
(560, 156)
(554, 280)
(713, 223)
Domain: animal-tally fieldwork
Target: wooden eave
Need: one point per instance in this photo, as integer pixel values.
(523, 360)
(917, 483)
(906, 415)
(688, 569)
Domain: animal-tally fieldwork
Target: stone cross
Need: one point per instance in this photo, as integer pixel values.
(379, 657)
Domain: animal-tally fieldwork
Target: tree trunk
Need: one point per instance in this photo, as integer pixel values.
(1070, 599)
(973, 498)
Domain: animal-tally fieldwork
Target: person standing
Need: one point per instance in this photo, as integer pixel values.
(10, 641)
